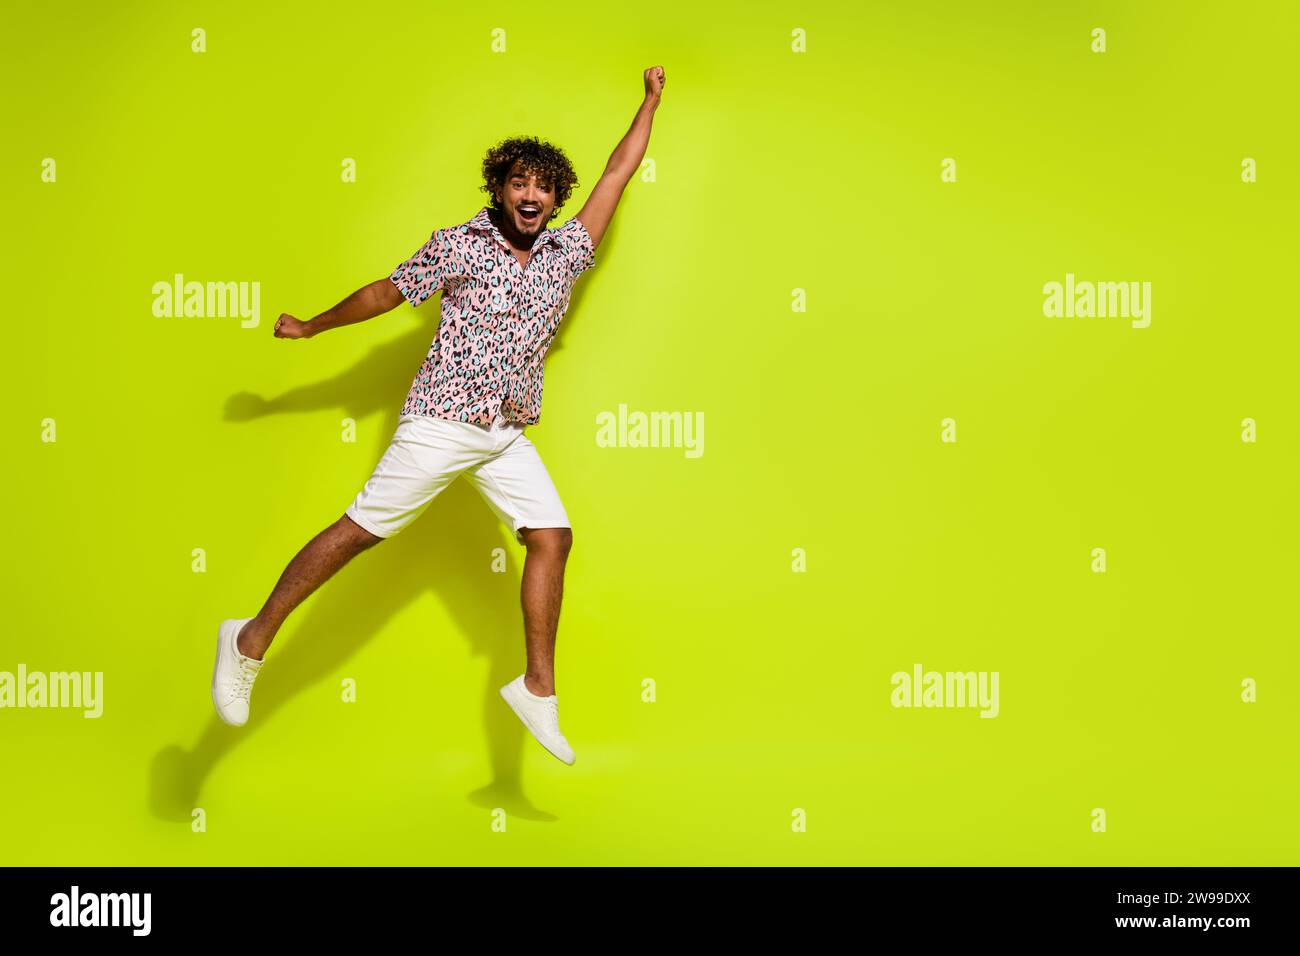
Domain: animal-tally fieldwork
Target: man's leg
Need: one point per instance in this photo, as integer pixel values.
(315, 564)
(519, 489)
(424, 456)
(540, 594)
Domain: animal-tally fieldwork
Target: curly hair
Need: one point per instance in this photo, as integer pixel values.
(535, 156)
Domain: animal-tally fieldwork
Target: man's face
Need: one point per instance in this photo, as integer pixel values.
(527, 201)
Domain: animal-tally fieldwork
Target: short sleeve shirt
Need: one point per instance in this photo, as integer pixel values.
(498, 317)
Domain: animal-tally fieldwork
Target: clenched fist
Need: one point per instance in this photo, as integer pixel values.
(654, 81)
(287, 327)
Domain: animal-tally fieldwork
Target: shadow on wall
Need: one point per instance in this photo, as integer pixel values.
(353, 607)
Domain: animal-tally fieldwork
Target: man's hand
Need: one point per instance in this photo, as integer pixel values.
(287, 327)
(654, 81)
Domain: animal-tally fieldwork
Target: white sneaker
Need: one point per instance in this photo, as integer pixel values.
(233, 674)
(540, 715)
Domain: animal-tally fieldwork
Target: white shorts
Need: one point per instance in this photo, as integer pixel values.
(427, 454)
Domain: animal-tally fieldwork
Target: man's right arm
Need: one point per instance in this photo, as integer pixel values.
(367, 302)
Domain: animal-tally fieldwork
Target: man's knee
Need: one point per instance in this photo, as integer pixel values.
(357, 536)
(553, 541)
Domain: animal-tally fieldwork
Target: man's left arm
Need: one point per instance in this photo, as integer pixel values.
(623, 162)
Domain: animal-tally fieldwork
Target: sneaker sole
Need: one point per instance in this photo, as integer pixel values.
(221, 647)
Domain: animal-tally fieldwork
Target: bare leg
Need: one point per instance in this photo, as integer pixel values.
(540, 594)
(311, 567)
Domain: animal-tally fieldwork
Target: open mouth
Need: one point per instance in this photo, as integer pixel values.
(530, 214)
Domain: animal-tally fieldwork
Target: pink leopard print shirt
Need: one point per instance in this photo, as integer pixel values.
(498, 318)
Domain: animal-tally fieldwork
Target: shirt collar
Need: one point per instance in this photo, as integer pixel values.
(483, 223)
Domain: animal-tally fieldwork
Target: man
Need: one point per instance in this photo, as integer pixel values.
(506, 281)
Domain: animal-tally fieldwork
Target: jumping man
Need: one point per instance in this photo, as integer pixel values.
(506, 280)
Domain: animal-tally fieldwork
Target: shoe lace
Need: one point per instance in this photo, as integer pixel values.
(553, 712)
(247, 673)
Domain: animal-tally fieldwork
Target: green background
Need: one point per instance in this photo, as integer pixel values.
(774, 171)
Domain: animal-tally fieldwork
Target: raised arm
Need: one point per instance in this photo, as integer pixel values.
(370, 300)
(624, 162)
